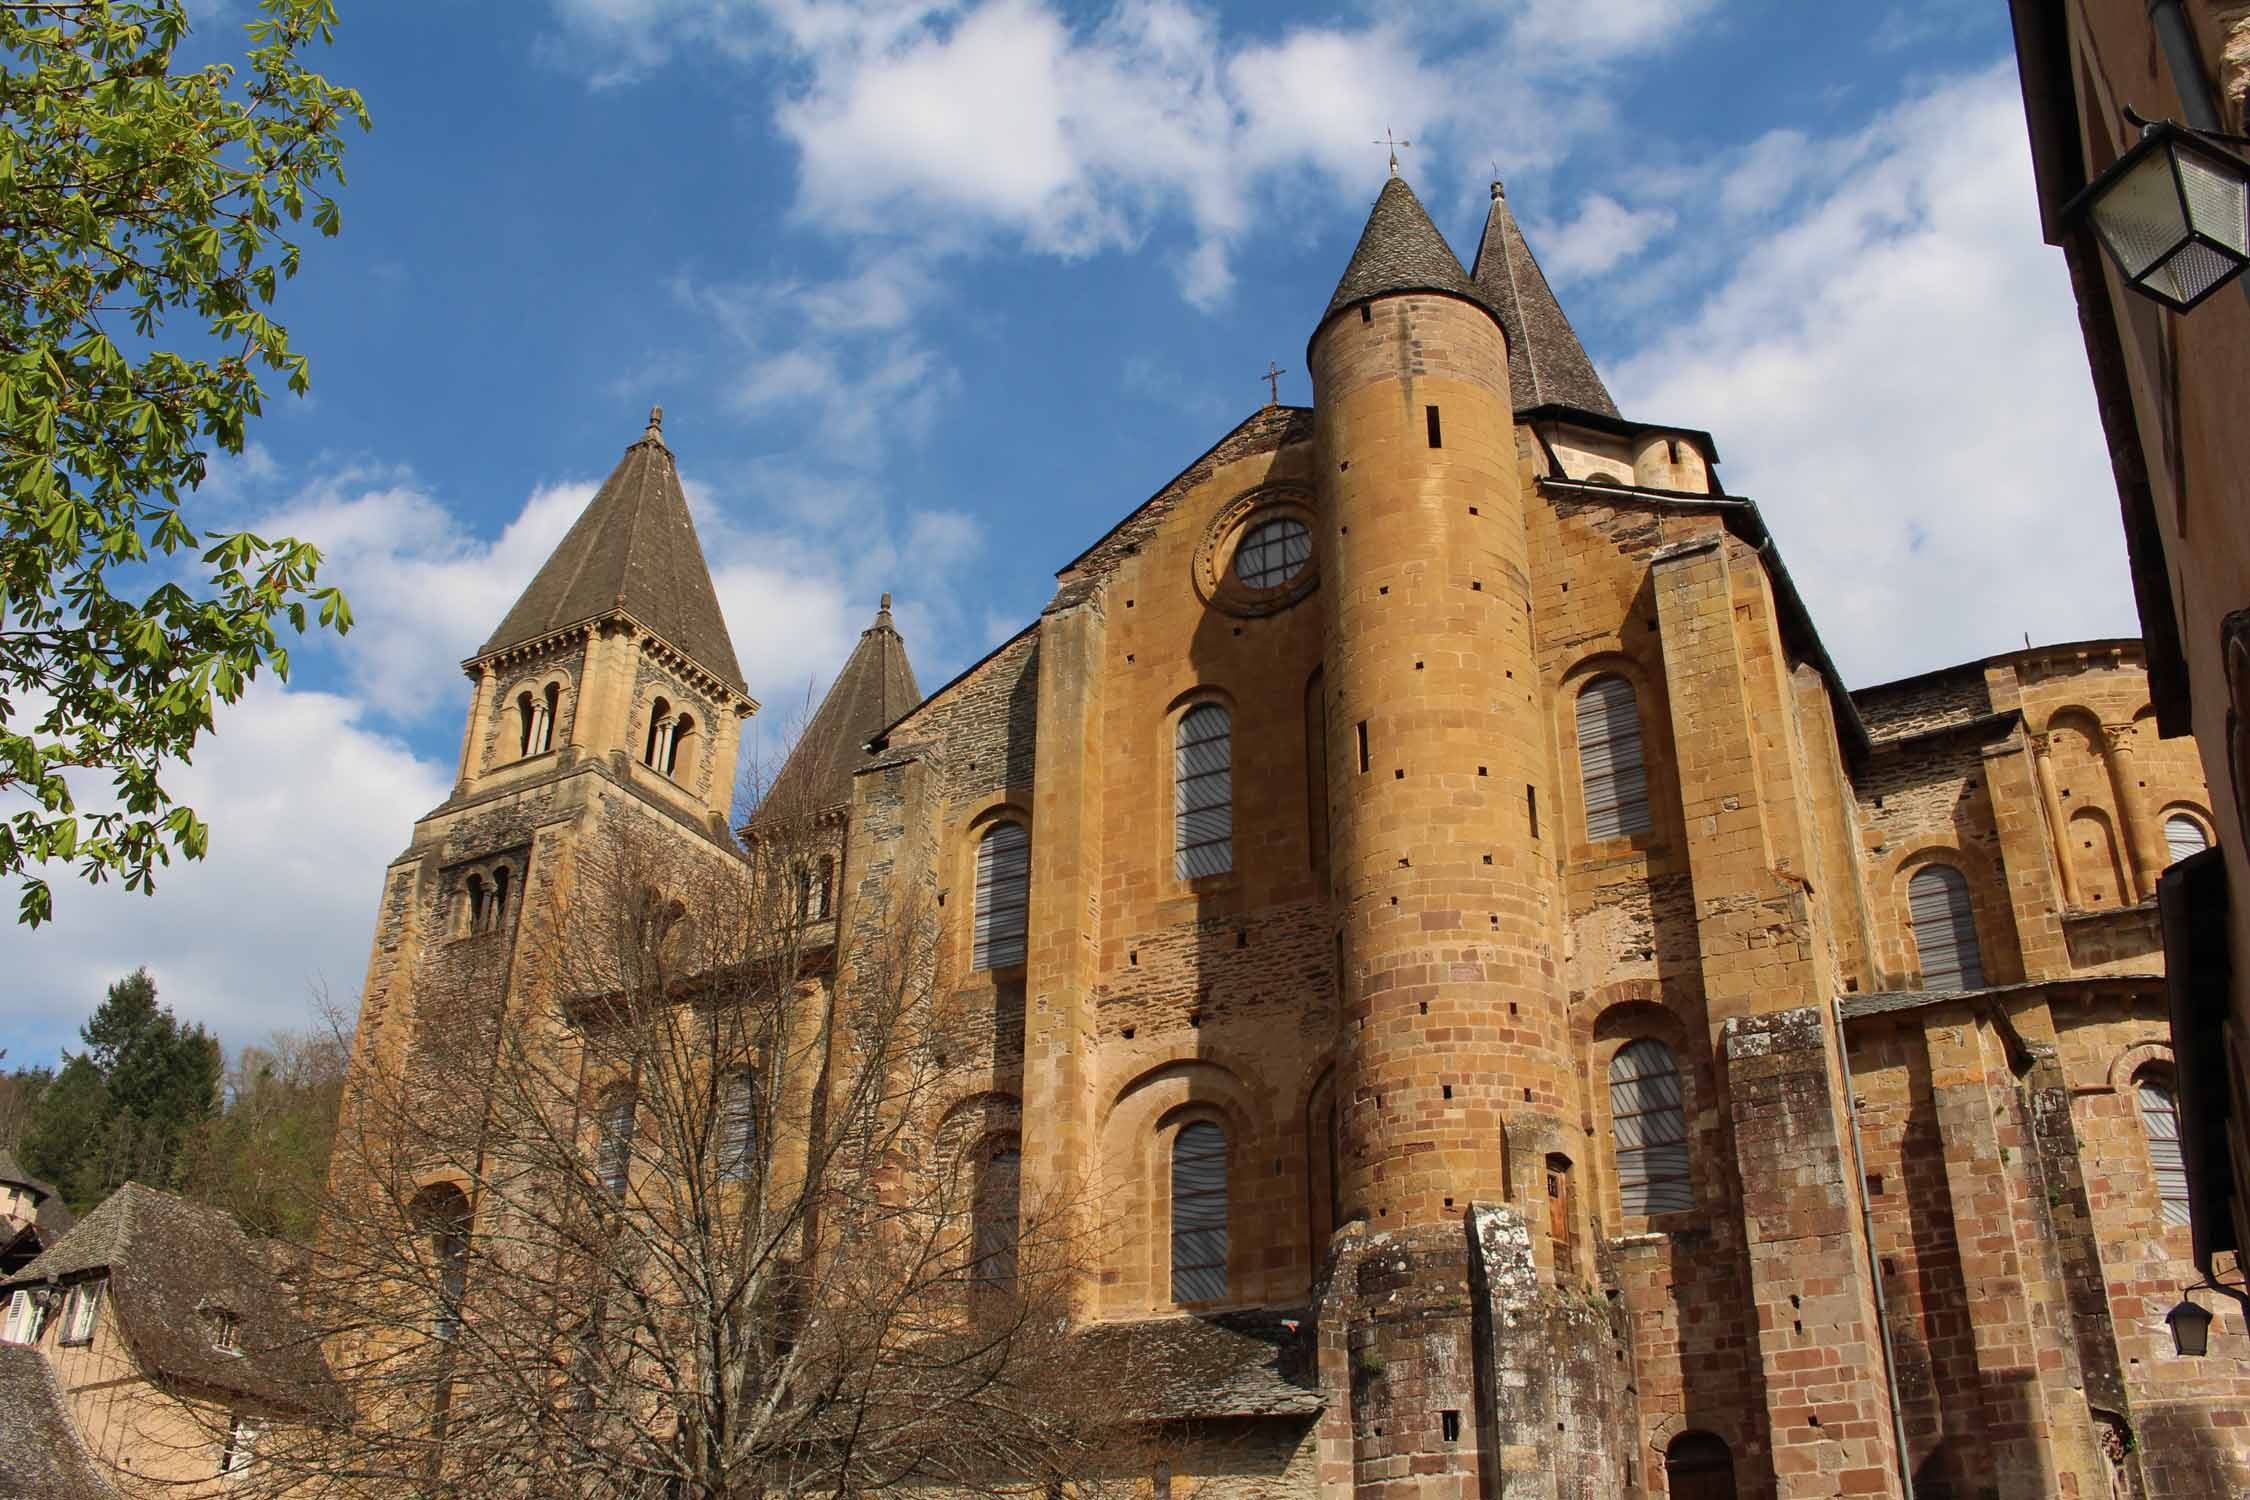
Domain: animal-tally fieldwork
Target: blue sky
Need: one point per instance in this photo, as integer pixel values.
(933, 293)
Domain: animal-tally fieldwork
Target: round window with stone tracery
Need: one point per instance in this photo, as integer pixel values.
(1273, 552)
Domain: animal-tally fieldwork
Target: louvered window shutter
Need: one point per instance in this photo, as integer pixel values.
(2183, 836)
(738, 1127)
(1203, 794)
(1003, 895)
(1648, 1118)
(999, 1196)
(1945, 929)
(614, 1164)
(1609, 759)
(2160, 1121)
(1199, 1214)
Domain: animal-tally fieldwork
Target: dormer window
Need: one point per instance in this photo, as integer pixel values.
(226, 1330)
(80, 1308)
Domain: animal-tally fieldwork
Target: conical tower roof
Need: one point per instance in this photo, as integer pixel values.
(632, 549)
(1400, 250)
(1547, 366)
(873, 690)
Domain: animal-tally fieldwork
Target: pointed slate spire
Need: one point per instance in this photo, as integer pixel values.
(1400, 250)
(1547, 366)
(632, 549)
(873, 690)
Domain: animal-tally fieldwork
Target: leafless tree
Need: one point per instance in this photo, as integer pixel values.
(663, 1198)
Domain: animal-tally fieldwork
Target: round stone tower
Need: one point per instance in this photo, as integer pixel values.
(1440, 784)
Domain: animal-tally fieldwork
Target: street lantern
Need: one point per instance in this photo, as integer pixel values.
(2190, 1323)
(2173, 213)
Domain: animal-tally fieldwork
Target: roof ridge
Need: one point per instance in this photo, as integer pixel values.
(1547, 365)
(1402, 250)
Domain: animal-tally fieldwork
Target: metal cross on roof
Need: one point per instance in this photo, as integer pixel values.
(1273, 382)
(1396, 146)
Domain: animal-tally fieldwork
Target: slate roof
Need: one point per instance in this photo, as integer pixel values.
(1244, 1364)
(633, 549)
(170, 1263)
(41, 1454)
(54, 1217)
(875, 688)
(1547, 366)
(1400, 250)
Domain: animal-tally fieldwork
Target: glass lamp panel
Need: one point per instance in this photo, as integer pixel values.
(2194, 269)
(2218, 200)
(2140, 215)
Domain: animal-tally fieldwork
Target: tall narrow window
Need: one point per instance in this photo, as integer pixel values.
(738, 1127)
(1003, 896)
(498, 911)
(826, 894)
(1609, 759)
(1648, 1121)
(999, 1200)
(2183, 836)
(442, 1214)
(1203, 794)
(527, 717)
(241, 1445)
(1945, 929)
(659, 729)
(549, 707)
(2160, 1122)
(613, 1163)
(1199, 1213)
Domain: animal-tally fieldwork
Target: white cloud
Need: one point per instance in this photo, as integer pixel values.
(1893, 371)
(306, 806)
(1604, 235)
(1580, 28)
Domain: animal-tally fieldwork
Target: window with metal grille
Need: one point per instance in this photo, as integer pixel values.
(2183, 836)
(738, 1126)
(2160, 1122)
(1609, 759)
(1003, 896)
(999, 1190)
(1648, 1121)
(1273, 552)
(613, 1162)
(1203, 793)
(1199, 1213)
(1945, 929)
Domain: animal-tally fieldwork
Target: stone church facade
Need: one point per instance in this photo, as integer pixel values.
(1536, 1031)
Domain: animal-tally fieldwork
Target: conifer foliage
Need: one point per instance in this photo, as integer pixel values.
(147, 213)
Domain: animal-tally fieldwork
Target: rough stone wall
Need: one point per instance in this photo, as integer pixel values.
(1929, 801)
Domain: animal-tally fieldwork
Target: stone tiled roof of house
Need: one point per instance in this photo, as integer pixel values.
(54, 1216)
(1547, 366)
(1245, 1364)
(174, 1267)
(633, 549)
(1400, 250)
(874, 690)
(41, 1454)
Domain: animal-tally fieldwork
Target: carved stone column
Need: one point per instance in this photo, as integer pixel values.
(2144, 849)
(2058, 829)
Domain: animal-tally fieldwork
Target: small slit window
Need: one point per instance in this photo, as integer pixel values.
(1203, 794)
(1648, 1120)
(1273, 552)
(1199, 1213)
(1609, 759)
(2160, 1122)
(1945, 929)
(2183, 836)
(1003, 896)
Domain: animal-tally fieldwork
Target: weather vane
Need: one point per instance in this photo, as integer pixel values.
(1396, 147)
(1273, 381)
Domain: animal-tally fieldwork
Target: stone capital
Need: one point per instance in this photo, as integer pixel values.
(2117, 739)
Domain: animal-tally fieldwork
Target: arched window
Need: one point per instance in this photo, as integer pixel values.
(476, 903)
(2183, 836)
(1945, 929)
(1609, 759)
(999, 1196)
(442, 1213)
(551, 710)
(1003, 896)
(659, 733)
(527, 716)
(613, 1161)
(2160, 1122)
(1697, 1466)
(738, 1126)
(682, 728)
(499, 909)
(1203, 793)
(1648, 1120)
(1199, 1213)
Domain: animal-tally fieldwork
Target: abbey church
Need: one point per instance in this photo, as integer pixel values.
(1540, 1032)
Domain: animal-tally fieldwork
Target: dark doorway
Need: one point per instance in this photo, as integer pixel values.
(1697, 1466)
